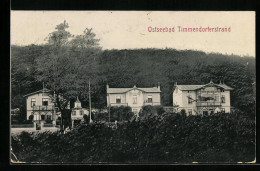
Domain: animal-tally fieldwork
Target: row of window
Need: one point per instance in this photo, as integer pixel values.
(81, 112)
(44, 102)
(149, 100)
(43, 117)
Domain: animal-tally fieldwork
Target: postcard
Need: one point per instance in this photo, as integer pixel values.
(132, 87)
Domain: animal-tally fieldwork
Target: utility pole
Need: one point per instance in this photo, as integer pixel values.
(89, 96)
(109, 109)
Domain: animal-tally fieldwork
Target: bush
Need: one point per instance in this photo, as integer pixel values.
(27, 122)
(122, 113)
(183, 112)
(169, 137)
(151, 111)
(102, 117)
(31, 117)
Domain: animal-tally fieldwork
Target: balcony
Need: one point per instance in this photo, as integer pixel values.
(152, 103)
(118, 104)
(208, 104)
(44, 108)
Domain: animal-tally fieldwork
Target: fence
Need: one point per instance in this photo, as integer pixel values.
(22, 126)
(48, 125)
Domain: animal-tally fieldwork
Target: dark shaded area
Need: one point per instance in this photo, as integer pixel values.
(162, 138)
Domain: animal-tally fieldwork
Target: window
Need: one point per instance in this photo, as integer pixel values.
(216, 98)
(81, 112)
(45, 102)
(42, 117)
(222, 90)
(223, 110)
(223, 99)
(118, 99)
(48, 117)
(190, 111)
(134, 99)
(74, 112)
(150, 98)
(33, 102)
(189, 100)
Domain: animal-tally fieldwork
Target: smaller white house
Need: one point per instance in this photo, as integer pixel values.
(78, 112)
(40, 105)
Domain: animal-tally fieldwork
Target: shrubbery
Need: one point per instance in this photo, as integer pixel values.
(166, 137)
(150, 111)
(31, 117)
(122, 113)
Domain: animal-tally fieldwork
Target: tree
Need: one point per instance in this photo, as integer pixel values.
(64, 70)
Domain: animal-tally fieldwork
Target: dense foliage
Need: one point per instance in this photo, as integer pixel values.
(160, 138)
(145, 68)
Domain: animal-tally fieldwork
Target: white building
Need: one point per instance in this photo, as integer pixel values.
(77, 112)
(40, 105)
(202, 99)
(134, 97)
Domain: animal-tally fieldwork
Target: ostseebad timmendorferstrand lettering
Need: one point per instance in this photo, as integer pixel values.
(189, 29)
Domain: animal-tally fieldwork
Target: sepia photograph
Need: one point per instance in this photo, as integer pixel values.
(132, 87)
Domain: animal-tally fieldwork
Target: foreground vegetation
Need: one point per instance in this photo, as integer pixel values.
(162, 137)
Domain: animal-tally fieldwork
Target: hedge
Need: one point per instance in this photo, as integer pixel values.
(167, 137)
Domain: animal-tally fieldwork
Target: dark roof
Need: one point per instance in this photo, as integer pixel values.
(195, 87)
(124, 90)
(45, 90)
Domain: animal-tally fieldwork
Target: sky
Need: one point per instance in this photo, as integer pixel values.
(130, 29)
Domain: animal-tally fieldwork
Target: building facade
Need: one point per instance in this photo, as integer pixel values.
(134, 97)
(202, 99)
(40, 105)
(78, 112)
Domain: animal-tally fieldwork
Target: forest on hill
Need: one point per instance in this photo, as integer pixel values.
(143, 68)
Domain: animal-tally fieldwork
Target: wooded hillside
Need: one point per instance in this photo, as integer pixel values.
(144, 68)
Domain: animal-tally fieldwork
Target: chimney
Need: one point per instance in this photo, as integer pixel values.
(107, 86)
(158, 86)
(175, 84)
(220, 82)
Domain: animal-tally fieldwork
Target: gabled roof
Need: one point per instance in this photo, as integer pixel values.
(45, 90)
(189, 87)
(196, 87)
(124, 90)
